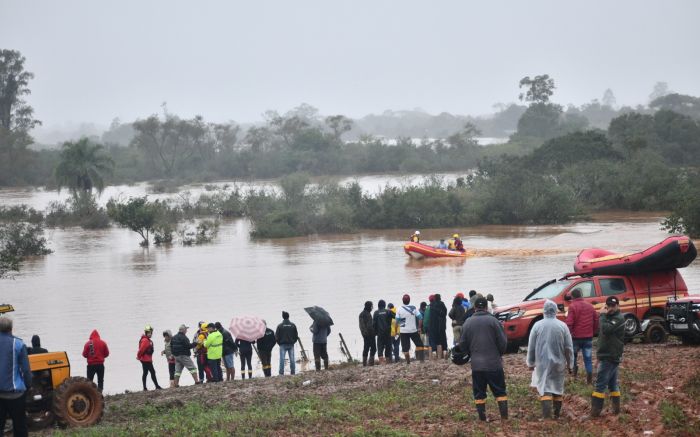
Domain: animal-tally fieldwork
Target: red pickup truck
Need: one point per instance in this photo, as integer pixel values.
(642, 298)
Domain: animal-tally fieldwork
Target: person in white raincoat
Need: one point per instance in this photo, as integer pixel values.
(550, 351)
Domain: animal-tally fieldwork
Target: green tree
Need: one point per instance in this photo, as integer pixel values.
(680, 103)
(137, 214)
(570, 149)
(82, 167)
(19, 241)
(16, 118)
(539, 89)
(338, 124)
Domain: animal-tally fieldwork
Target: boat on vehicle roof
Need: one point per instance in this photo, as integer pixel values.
(672, 253)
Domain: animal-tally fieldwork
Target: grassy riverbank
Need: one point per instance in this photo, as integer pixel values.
(660, 389)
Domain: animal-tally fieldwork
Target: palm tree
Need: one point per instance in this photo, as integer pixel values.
(82, 167)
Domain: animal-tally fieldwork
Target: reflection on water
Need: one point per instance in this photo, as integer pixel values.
(104, 280)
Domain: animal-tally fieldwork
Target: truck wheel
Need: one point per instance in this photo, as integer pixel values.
(655, 333)
(631, 325)
(77, 402)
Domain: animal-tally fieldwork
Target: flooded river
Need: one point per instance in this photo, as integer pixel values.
(104, 280)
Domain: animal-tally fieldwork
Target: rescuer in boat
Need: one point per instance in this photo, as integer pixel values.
(455, 243)
(415, 238)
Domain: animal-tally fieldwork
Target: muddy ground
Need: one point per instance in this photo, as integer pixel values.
(652, 378)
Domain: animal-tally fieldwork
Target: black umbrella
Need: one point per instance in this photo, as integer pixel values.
(319, 315)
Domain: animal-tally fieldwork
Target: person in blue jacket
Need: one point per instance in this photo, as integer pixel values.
(15, 379)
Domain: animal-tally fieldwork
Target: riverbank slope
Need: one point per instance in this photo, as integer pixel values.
(660, 389)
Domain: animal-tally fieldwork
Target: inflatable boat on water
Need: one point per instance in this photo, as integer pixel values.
(672, 253)
(420, 251)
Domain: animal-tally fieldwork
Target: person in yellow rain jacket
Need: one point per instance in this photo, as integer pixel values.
(200, 352)
(415, 238)
(215, 347)
(395, 331)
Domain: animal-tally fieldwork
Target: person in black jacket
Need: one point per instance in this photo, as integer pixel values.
(245, 351)
(36, 346)
(229, 348)
(437, 326)
(458, 314)
(382, 327)
(265, 345)
(181, 347)
(367, 331)
(287, 336)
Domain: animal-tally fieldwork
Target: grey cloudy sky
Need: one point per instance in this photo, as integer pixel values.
(96, 60)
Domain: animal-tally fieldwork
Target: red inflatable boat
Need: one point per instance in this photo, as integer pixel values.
(672, 253)
(420, 251)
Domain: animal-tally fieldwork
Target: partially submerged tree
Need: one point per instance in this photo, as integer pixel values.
(137, 214)
(82, 167)
(19, 241)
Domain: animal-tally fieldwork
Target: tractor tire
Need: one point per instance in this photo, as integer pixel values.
(655, 333)
(78, 403)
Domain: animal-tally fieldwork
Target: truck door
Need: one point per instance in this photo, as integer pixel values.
(617, 286)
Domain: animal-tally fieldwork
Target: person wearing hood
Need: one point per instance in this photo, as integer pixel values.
(95, 351)
(458, 315)
(168, 353)
(36, 346)
(437, 326)
(382, 320)
(368, 334)
(550, 352)
(145, 356)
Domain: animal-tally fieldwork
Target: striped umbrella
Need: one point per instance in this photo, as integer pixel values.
(248, 328)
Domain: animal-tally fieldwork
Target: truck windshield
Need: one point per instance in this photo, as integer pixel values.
(550, 291)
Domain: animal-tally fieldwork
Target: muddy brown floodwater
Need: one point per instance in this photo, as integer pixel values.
(103, 280)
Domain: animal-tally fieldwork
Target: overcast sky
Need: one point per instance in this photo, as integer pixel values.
(97, 60)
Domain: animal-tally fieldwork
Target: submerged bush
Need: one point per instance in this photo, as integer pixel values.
(20, 213)
(79, 210)
(19, 241)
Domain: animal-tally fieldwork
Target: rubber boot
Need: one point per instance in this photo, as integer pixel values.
(408, 358)
(615, 402)
(597, 402)
(325, 363)
(557, 403)
(371, 360)
(439, 352)
(250, 374)
(546, 402)
(176, 382)
(364, 361)
(421, 357)
(481, 409)
(242, 374)
(589, 378)
(503, 408)
(317, 363)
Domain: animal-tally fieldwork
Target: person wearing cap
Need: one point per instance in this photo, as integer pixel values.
(611, 342)
(95, 351)
(550, 351)
(484, 339)
(15, 379)
(168, 353)
(181, 346)
(215, 349)
(145, 356)
(415, 238)
(582, 321)
(407, 317)
(265, 345)
(369, 346)
(287, 336)
(230, 348)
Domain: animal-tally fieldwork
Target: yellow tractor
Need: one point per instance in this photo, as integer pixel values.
(55, 396)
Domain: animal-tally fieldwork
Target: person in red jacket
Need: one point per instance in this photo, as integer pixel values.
(582, 321)
(145, 355)
(96, 350)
